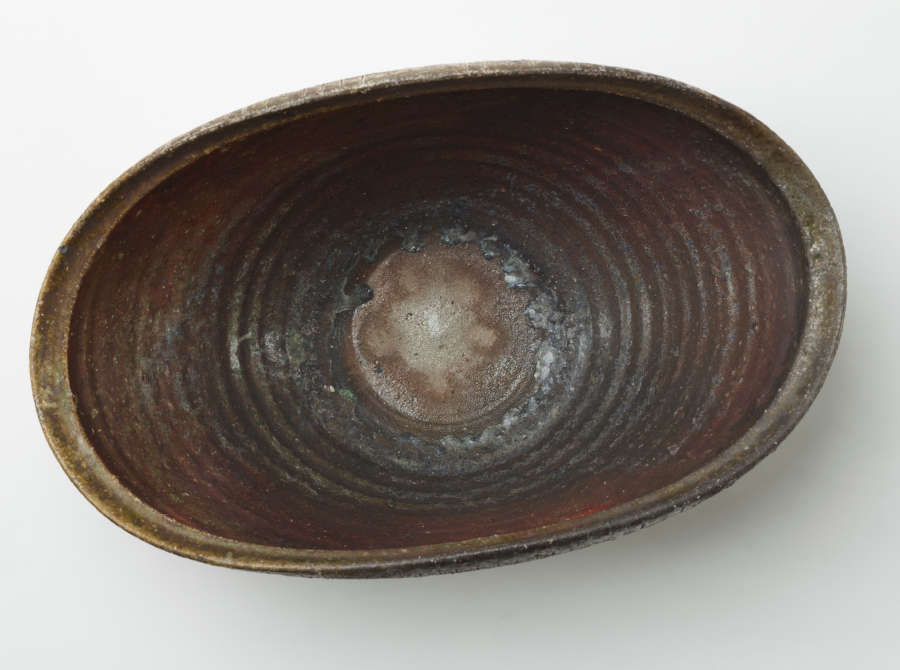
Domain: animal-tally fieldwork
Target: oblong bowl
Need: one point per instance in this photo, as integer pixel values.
(437, 319)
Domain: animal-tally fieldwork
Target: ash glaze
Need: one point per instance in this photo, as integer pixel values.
(685, 280)
(443, 340)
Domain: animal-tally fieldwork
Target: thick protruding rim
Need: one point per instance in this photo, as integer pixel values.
(817, 226)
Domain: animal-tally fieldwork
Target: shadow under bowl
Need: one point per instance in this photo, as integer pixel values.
(437, 319)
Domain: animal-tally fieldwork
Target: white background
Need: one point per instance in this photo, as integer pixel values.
(796, 566)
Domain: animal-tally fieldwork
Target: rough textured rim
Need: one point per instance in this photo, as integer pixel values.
(825, 309)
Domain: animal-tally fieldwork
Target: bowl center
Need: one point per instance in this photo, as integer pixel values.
(444, 339)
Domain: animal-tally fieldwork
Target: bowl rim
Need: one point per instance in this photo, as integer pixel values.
(821, 245)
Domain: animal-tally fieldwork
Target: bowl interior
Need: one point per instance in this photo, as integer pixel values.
(436, 318)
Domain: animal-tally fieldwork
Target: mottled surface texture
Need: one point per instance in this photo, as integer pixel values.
(449, 319)
(444, 341)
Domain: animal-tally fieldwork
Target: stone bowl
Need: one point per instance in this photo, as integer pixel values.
(437, 319)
